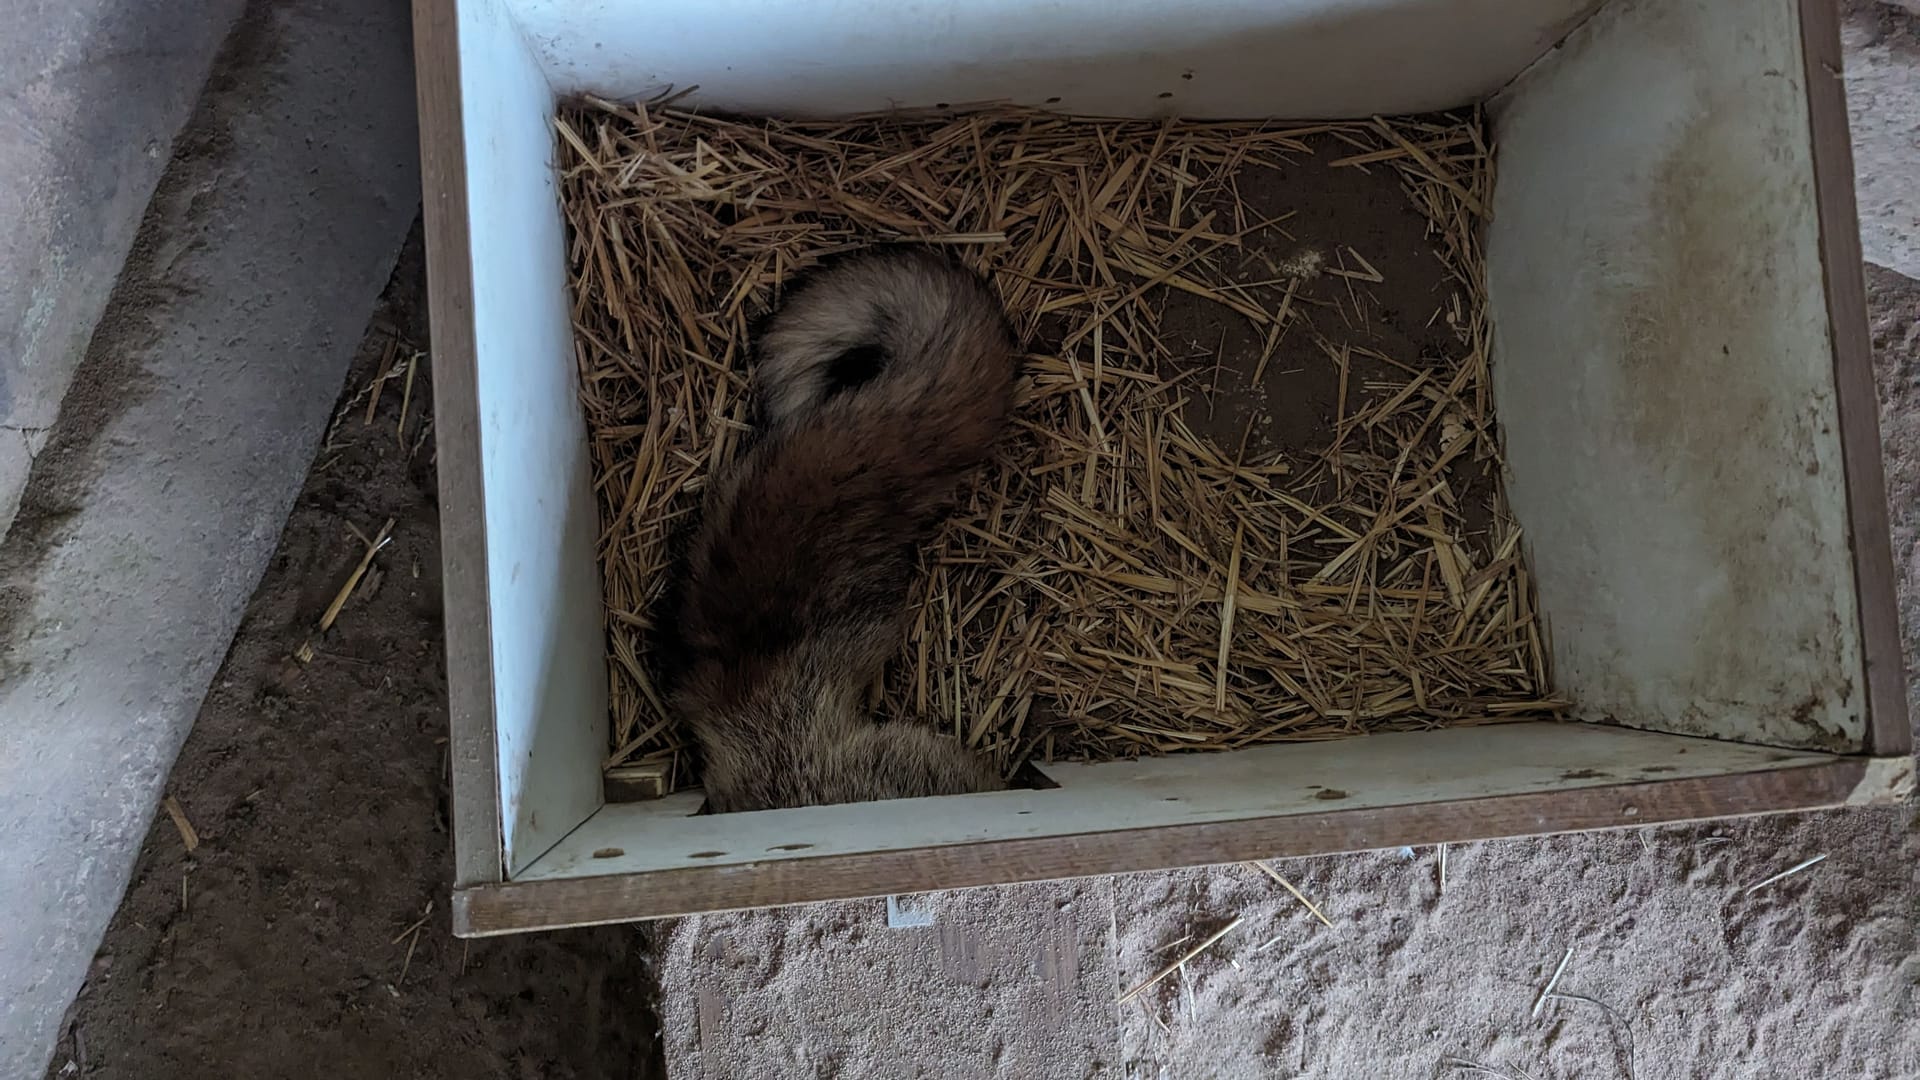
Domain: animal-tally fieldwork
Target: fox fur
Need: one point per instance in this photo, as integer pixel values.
(883, 382)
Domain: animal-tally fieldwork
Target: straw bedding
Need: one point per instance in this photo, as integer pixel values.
(1143, 569)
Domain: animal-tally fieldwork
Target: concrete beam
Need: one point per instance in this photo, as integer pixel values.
(92, 93)
(161, 493)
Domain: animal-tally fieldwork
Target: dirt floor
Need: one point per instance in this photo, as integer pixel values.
(281, 946)
(307, 933)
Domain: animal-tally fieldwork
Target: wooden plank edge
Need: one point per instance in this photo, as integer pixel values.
(635, 783)
(488, 910)
(477, 839)
(1889, 731)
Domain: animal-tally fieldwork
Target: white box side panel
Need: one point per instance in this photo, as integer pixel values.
(1664, 377)
(1206, 58)
(549, 652)
(1398, 769)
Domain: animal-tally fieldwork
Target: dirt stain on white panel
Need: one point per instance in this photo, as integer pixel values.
(1665, 380)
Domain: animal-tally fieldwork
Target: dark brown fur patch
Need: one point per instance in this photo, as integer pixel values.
(796, 582)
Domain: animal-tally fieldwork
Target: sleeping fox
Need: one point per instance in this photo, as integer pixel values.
(883, 381)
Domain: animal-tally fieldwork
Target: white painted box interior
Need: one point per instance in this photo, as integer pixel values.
(1665, 377)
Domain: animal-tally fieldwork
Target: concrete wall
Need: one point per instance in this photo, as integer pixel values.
(163, 487)
(92, 93)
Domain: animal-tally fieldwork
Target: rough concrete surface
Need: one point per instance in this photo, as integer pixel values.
(1894, 300)
(1883, 103)
(167, 478)
(1011, 982)
(1677, 973)
(92, 93)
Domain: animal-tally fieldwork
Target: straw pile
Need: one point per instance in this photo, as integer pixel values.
(1117, 584)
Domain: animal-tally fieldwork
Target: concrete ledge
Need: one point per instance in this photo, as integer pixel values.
(92, 93)
(155, 505)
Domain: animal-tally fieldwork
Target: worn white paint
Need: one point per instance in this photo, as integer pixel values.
(1401, 769)
(1664, 380)
(1295, 58)
(549, 654)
